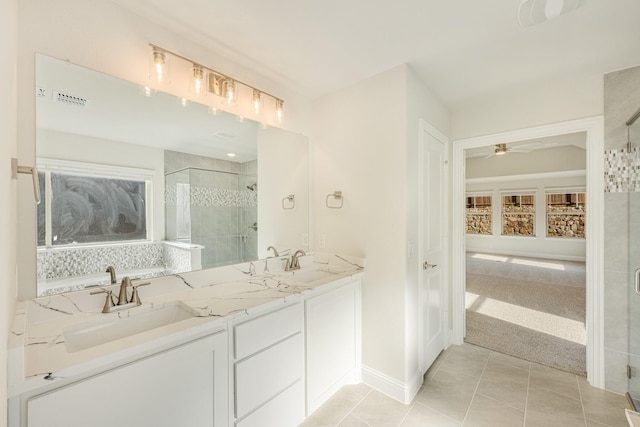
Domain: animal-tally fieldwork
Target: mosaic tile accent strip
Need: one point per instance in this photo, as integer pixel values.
(70, 262)
(205, 197)
(177, 260)
(622, 170)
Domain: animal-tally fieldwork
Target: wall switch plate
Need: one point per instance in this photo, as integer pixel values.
(305, 239)
(322, 241)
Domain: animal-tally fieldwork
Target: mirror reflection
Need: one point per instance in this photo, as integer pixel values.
(152, 184)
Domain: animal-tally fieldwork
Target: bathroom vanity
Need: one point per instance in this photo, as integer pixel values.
(229, 347)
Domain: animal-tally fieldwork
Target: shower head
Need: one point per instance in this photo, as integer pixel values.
(253, 186)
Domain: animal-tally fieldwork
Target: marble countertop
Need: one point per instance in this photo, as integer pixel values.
(38, 355)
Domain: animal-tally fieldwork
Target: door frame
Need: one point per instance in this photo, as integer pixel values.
(594, 128)
(425, 127)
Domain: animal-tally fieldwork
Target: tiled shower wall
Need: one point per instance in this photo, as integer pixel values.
(622, 232)
(222, 209)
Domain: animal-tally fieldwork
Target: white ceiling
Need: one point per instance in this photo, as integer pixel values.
(462, 49)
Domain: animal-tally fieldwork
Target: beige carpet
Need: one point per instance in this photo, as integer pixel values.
(533, 309)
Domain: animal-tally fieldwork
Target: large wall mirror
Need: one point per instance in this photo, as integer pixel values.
(152, 184)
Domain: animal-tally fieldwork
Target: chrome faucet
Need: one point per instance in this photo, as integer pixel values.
(123, 301)
(112, 273)
(294, 263)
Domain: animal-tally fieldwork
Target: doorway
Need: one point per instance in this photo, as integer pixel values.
(594, 230)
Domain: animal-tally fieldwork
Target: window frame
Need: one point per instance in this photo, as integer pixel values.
(519, 193)
(94, 170)
(475, 195)
(577, 191)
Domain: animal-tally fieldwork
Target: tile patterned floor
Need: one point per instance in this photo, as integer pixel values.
(471, 386)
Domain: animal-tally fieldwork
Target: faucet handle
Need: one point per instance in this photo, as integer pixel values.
(108, 304)
(135, 297)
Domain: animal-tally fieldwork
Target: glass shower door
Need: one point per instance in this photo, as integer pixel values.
(633, 370)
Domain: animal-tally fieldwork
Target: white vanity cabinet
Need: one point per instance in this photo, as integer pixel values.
(183, 386)
(268, 368)
(332, 334)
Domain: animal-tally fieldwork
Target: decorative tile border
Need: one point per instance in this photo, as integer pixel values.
(622, 170)
(206, 197)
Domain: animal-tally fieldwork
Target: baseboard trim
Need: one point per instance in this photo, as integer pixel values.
(393, 388)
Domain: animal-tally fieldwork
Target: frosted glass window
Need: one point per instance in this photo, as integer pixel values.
(84, 209)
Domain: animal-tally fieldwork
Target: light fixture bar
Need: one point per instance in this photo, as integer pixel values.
(279, 101)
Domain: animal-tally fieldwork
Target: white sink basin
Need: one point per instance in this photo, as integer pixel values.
(89, 334)
(307, 276)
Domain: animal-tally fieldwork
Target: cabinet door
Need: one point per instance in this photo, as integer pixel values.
(185, 386)
(332, 342)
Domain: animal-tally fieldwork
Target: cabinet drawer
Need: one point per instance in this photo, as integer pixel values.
(260, 378)
(284, 410)
(263, 331)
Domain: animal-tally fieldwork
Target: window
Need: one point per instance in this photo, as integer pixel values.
(519, 215)
(81, 209)
(479, 214)
(566, 214)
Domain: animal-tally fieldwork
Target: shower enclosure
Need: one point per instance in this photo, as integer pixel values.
(215, 209)
(633, 370)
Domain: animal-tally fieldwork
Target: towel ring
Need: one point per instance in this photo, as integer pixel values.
(289, 201)
(335, 196)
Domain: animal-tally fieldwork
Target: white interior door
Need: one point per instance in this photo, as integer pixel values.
(433, 226)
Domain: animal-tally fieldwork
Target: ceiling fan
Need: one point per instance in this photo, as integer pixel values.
(501, 149)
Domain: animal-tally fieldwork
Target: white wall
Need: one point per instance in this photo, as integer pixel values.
(365, 144)
(539, 246)
(359, 148)
(527, 105)
(421, 104)
(8, 149)
(103, 36)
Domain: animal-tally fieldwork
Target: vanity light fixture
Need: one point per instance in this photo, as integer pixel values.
(206, 80)
(198, 82)
(159, 65)
(230, 91)
(279, 110)
(533, 12)
(257, 101)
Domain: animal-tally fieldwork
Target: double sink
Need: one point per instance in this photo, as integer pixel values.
(113, 327)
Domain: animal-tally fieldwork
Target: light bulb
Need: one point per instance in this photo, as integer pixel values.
(159, 66)
(257, 101)
(279, 110)
(230, 92)
(197, 84)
